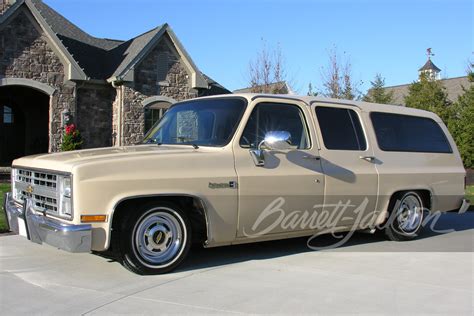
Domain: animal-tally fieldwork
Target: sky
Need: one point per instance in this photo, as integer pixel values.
(389, 37)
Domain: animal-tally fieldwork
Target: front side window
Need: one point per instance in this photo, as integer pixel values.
(206, 122)
(406, 133)
(341, 129)
(270, 117)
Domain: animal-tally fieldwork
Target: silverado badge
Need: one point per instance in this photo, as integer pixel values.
(229, 185)
(29, 189)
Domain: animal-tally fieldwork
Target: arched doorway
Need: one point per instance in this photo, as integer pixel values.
(24, 122)
(155, 108)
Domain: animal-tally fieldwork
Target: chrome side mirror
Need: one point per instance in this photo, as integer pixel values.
(274, 140)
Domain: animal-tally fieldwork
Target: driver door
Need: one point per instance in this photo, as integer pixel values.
(273, 198)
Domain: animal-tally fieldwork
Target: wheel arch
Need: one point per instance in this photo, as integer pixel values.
(426, 194)
(198, 214)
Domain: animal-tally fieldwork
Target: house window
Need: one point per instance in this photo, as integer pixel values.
(7, 115)
(153, 113)
(162, 66)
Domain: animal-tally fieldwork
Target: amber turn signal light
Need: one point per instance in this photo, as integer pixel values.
(93, 218)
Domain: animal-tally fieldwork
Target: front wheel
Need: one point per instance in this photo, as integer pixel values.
(156, 239)
(406, 217)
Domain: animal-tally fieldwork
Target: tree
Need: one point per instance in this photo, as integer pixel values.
(267, 73)
(337, 78)
(469, 71)
(429, 94)
(377, 94)
(311, 92)
(462, 124)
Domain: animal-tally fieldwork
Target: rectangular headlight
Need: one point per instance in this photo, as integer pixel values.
(65, 197)
(16, 196)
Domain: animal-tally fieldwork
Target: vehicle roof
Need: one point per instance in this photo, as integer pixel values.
(363, 106)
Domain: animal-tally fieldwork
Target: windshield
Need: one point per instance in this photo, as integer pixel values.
(206, 122)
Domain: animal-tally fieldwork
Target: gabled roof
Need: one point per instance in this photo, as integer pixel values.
(130, 53)
(214, 87)
(280, 87)
(64, 28)
(126, 53)
(454, 88)
(429, 65)
(100, 58)
(75, 72)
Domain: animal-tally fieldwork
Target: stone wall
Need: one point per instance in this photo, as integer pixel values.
(25, 53)
(147, 83)
(94, 114)
(4, 5)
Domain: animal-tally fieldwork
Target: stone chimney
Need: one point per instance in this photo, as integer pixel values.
(5, 4)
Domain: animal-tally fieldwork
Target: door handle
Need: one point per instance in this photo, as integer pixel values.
(311, 157)
(368, 158)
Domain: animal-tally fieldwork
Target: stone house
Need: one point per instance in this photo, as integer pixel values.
(52, 72)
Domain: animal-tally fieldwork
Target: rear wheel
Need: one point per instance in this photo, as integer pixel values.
(406, 217)
(155, 239)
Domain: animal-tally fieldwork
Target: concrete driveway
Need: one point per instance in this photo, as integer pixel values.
(432, 275)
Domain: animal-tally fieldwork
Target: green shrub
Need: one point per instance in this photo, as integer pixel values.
(72, 139)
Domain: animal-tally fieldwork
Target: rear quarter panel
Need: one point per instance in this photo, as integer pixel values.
(440, 173)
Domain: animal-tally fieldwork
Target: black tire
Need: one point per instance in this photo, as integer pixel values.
(396, 228)
(150, 226)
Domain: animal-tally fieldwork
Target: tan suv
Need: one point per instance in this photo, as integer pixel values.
(241, 168)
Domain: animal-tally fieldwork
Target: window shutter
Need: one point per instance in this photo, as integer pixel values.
(162, 66)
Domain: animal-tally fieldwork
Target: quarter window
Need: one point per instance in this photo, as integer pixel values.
(341, 129)
(396, 132)
(268, 117)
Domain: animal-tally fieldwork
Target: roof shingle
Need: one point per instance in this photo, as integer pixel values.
(429, 65)
(99, 58)
(454, 88)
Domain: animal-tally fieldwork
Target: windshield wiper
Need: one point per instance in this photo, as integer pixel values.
(153, 141)
(149, 141)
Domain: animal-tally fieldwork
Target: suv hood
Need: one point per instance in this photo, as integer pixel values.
(66, 161)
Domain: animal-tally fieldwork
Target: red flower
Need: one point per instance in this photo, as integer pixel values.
(70, 129)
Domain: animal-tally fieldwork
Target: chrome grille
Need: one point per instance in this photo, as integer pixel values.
(41, 187)
(37, 178)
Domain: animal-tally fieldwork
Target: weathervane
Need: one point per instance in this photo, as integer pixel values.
(429, 53)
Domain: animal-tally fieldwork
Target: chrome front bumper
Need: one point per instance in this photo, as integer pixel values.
(40, 229)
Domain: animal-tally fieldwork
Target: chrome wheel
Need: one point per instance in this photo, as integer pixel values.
(159, 237)
(409, 215)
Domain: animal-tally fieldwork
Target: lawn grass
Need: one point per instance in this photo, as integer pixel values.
(470, 193)
(4, 188)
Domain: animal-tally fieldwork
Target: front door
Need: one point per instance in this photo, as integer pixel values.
(24, 123)
(280, 196)
(12, 134)
(348, 162)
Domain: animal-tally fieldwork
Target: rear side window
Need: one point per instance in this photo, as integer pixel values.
(341, 129)
(396, 132)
